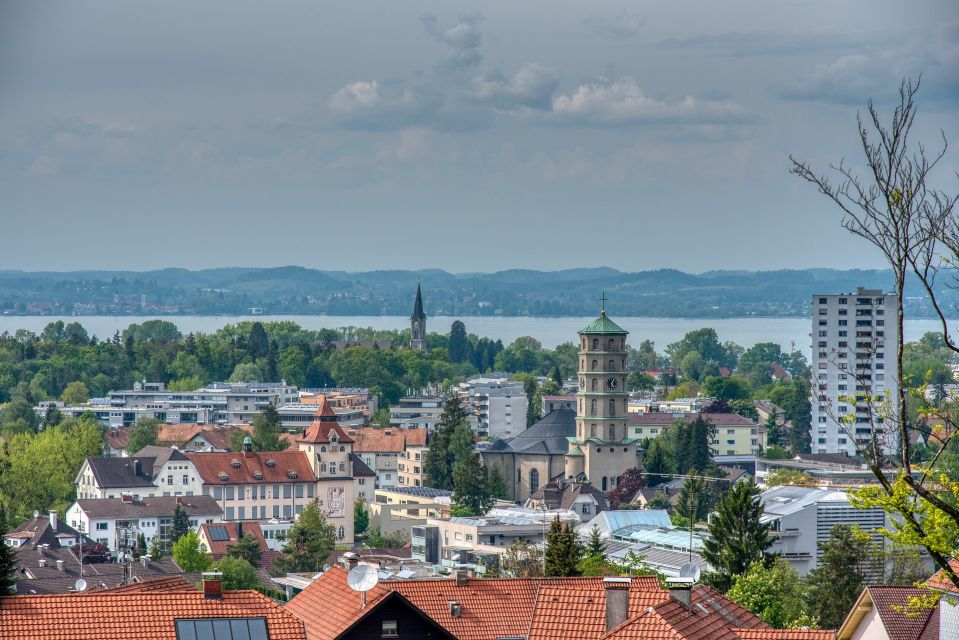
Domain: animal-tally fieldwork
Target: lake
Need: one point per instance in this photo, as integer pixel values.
(787, 332)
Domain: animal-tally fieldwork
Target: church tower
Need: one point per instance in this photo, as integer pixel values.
(418, 323)
(601, 450)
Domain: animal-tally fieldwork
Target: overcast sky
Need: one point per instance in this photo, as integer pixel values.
(463, 136)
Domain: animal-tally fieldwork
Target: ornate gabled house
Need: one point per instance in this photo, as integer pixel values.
(418, 323)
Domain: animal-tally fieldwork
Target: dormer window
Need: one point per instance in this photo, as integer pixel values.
(257, 475)
(333, 438)
(291, 475)
(223, 477)
(235, 463)
(270, 462)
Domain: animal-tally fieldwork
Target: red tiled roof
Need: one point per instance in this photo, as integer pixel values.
(646, 626)
(177, 433)
(390, 440)
(171, 584)
(210, 465)
(325, 424)
(328, 606)
(713, 618)
(899, 624)
(785, 634)
(217, 548)
(940, 581)
(133, 616)
(579, 610)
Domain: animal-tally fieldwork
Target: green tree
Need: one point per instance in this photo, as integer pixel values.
(76, 393)
(189, 556)
(693, 502)
(657, 462)
(143, 433)
(258, 340)
(595, 546)
(181, 524)
(246, 548)
(361, 517)
(522, 560)
(779, 477)
(458, 347)
(376, 539)
(246, 372)
(267, 428)
(737, 536)
(471, 495)
(906, 567)
(845, 561)
(497, 484)
(774, 593)
(52, 417)
(8, 559)
(18, 416)
(308, 542)
(726, 388)
(238, 573)
(438, 465)
(562, 550)
(692, 443)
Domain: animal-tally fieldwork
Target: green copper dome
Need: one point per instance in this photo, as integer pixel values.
(603, 324)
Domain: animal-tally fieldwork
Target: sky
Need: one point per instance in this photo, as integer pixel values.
(461, 136)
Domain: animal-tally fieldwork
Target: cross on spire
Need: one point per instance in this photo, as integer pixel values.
(603, 300)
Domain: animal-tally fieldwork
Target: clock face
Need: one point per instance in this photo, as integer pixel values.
(582, 382)
(612, 383)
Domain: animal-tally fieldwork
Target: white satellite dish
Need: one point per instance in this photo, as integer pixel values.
(80, 585)
(690, 570)
(362, 577)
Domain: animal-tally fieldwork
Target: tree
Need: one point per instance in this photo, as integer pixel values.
(562, 550)
(144, 432)
(246, 548)
(93, 553)
(657, 462)
(8, 559)
(726, 388)
(267, 428)
(779, 477)
(773, 593)
(76, 393)
(181, 524)
(628, 484)
(905, 566)
(898, 209)
(237, 574)
(522, 560)
(258, 340)
(845, 561)
(52, 417)
(189, 556)
(737, 536)
(376, 539)
(246, 372)
(471, 495)
(691, 443)
(18, 416)
(361, 517)
(595, 546)
(496, 484)
(693, 501)
(458, 347)
(308, 542)
(438, 465)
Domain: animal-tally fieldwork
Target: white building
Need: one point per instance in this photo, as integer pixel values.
(227, 402)
(154, 471)
(116, 522)
(853, 357)
(497, 404)
(417, 412)
(802, 517)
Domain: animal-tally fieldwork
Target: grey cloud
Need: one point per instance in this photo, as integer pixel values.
(463, 40)
(531, 87)
(624, 24)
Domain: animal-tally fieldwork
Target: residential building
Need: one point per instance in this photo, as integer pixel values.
(582, 499)
(216, 537)
(257, 485)
(113, 416)
(883, 612)
(852, 344)
(418, 323)
(417, 411)
(382, 450)
(529, 608)
(802, 517)
(55, 570)
(170, 609)
(410, 469)
(297, 416)
(399, 508)
(154, 471)
(552, 403)
(498, 406)
(228, 402)
(47, 531)
(116, 522)
(679, 405)
(735, 435)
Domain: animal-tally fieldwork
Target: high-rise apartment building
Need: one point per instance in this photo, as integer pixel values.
(854, 383)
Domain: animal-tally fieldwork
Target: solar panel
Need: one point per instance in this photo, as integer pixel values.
(218, 534)
(222, 629)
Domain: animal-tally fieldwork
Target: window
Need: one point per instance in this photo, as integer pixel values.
(612, 407)
(843, 323)
(822, 334)
(390, 629)
(229, 493)
(102, 526)
(534, 480)
(612, 432)
(169, 479)
(843, 334)
(592, 431)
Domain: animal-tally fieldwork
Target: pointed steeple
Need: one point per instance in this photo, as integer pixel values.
(418, 305)
(323, 426)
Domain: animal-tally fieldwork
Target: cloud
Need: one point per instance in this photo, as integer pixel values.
(624, 24)
(354, 96)
(531, 87)
(462, 40)
(621, 102)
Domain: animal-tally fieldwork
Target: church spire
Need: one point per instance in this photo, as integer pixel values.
(418, 305)
(418, 323)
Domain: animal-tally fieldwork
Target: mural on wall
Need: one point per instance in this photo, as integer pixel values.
(335, 501)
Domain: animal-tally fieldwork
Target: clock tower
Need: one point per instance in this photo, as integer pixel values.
(601, 450)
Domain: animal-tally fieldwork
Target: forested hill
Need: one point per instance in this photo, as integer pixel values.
(297, 290)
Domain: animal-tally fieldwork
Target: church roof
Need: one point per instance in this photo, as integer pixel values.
(325, 424)
(549, 436)
(603, 324)
(418, 306)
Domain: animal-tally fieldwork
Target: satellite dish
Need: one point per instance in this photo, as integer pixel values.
(35, 513)
(362, 577)
(689, 570)
(80, 585)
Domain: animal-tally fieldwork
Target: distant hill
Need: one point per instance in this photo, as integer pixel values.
(514, 292)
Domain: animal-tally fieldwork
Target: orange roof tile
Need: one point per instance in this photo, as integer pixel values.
(328, 606)
(940, 581)
(108, 615)
(578, 610)
(170, 584)
(389, 440)
(210, 465)
(325, 424)
(649, 625)
(177, 433)
(785, 634)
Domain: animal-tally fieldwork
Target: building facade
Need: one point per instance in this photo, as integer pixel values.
(498, 406)
(154, 471)
(853, 358)
(228, 402)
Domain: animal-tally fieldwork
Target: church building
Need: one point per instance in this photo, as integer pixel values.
(418, 323)
(591, 444)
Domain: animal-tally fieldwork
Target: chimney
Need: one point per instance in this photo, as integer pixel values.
(462, 577)
(126, 498)
(137, 468)
(212, 585)
(60, 566)
(681, 590)
(179, 499)
(145, 561)
(349, 560)
(53, 520)
(42, 562)
(617, 601)
(239, 530)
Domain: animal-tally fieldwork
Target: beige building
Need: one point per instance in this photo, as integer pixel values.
(735, 435)
(410, 467)
(399, 508)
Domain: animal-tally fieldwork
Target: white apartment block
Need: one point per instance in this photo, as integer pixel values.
(854, 339)
(497, 404)
(417, 412)
(227, 402)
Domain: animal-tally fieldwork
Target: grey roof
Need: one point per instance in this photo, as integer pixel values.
(781, 501)
(562, 495)
(121, 472)
(160, 454)
(42, 533)
(158, 506)
(549, 436)
(360, 468)
(421, 492)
